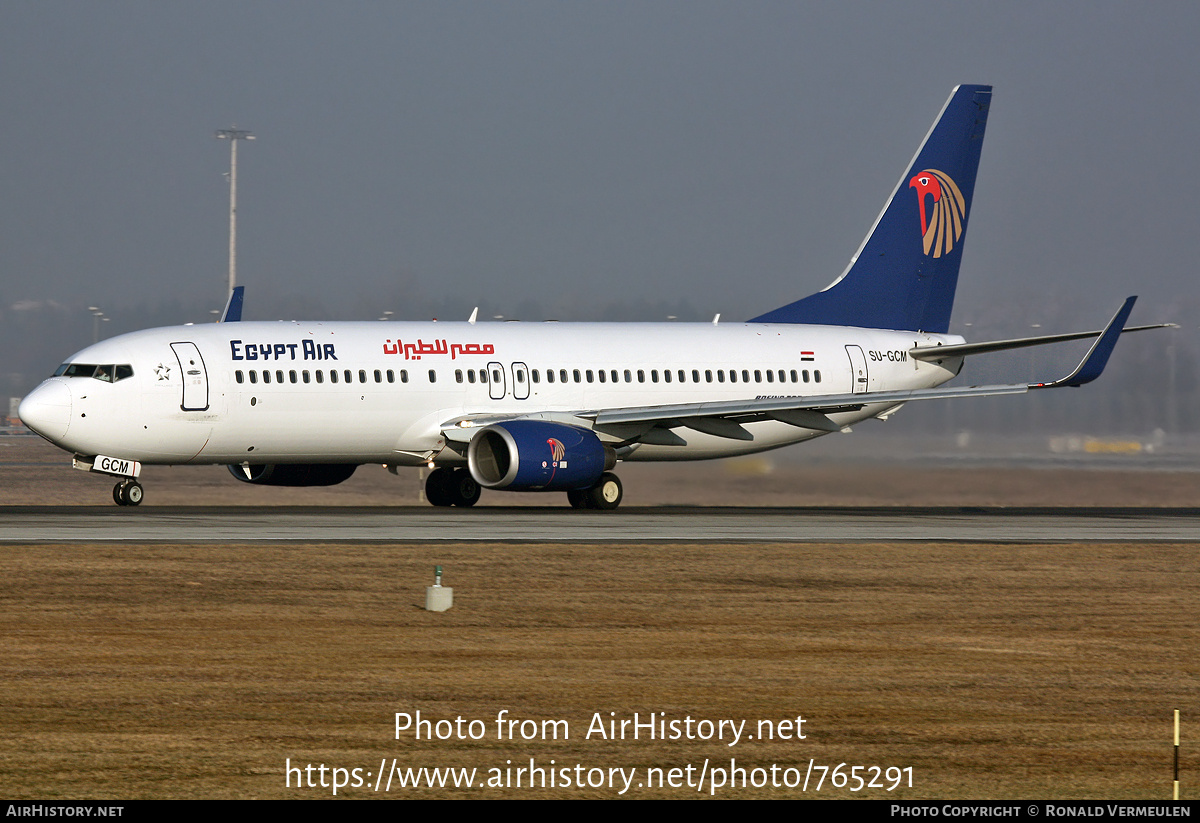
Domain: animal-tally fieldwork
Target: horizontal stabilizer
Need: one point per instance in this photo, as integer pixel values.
(964, 349)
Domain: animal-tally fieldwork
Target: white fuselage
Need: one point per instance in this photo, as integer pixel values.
(360, 392)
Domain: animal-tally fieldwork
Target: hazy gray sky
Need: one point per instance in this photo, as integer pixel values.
(576, 153)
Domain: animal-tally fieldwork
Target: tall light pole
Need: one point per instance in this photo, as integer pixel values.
(233, 135)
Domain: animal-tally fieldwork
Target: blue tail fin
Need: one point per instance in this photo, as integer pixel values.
(905, 273)
(233, 309)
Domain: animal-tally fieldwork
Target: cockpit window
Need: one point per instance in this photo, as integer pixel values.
(109, 372)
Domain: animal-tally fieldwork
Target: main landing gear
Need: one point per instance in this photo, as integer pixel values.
(456, 487)
(605, 495)
(128, 493)
(451, 487)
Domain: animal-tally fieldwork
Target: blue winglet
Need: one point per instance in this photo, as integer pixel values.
(233, 309)
(1097, 357)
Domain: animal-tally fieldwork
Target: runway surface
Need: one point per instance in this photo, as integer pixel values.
(53, 524)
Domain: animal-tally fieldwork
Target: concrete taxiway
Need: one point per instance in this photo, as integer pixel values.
(25, 524)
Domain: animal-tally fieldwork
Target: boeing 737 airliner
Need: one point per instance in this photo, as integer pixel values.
(550, 406)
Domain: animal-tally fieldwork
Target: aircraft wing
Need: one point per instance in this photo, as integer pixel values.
(725, 418)
(652, 424)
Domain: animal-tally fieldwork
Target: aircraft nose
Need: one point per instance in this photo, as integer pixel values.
(47, 410)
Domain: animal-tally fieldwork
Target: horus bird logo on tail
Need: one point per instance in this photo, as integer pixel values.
(943, 229)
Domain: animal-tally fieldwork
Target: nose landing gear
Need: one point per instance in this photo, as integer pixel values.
(128, 493)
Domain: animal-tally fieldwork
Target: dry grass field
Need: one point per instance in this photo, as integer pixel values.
(993, 671)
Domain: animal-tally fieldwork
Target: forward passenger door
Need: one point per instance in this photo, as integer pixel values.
(193, 375)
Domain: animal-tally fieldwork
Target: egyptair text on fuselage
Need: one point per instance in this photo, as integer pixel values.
(308, 350)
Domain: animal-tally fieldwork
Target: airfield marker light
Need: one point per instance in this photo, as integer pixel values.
(438, 598)
(437, 581)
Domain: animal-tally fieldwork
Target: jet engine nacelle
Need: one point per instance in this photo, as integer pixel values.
(297, 474)
(532, 455)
